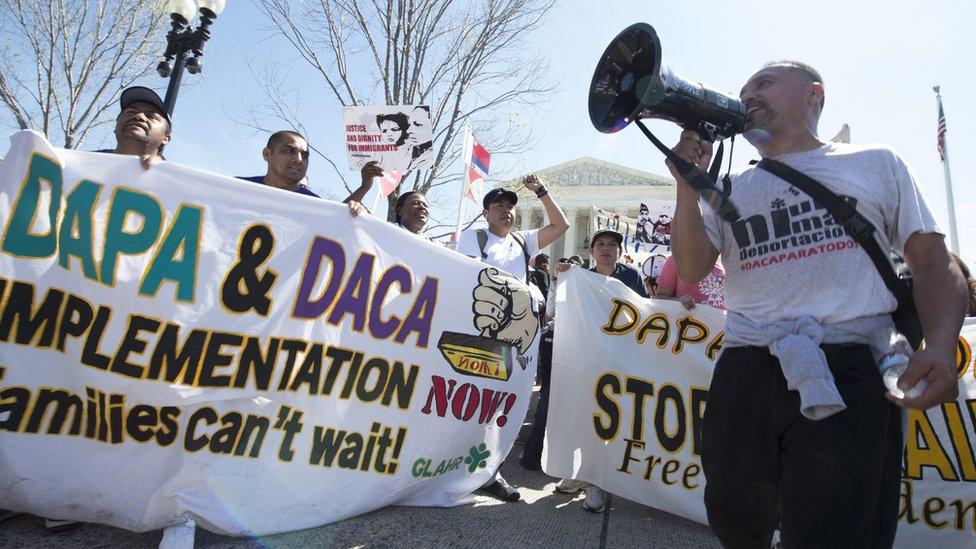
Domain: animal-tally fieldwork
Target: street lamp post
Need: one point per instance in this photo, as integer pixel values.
(182, 40)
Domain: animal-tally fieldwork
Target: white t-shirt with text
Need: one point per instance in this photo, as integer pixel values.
(786, 258)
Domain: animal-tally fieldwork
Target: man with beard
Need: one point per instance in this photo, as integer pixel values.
(142, 128)
(510, 251)
(797, 425)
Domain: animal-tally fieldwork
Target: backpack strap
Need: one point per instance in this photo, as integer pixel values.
(525, 253)
(844, 213)
(482, 242)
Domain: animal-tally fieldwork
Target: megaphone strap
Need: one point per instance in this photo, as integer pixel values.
(716, 161)
(699, 180)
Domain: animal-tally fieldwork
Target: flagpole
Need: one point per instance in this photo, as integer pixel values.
(950, 203)
(465, 158)
(376, 200)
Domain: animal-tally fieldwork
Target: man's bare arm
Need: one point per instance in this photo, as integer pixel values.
(557, 219)
(694, 254)
(941, 300)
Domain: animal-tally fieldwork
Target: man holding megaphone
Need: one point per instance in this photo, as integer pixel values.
(797, 429)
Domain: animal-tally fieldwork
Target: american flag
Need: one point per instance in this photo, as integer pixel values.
(941, 134)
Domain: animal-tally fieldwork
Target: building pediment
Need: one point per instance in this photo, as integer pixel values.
(591, 172)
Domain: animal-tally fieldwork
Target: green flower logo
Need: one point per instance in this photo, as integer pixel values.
(477, 457)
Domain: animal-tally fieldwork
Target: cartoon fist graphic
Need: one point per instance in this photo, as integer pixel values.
(503, 309)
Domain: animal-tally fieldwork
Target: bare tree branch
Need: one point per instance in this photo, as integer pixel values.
(65, 62)
(465, 60)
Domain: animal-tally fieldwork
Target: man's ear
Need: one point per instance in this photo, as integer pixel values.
(817, 93)
(266, 153)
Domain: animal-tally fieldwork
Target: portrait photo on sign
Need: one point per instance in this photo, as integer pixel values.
(399, 137)
(654, 221)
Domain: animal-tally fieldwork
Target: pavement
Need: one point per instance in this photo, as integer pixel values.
(543, 518)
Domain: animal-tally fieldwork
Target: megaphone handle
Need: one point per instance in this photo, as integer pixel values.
(699, 180)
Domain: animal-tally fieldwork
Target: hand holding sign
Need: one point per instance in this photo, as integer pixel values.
(503, 309)
(369, 172)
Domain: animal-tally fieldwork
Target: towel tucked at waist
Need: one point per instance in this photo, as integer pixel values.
(796, 343)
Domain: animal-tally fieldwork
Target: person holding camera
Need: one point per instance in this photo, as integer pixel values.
(798, 427)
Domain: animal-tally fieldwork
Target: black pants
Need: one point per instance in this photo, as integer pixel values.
(532, 453)
(829, 483)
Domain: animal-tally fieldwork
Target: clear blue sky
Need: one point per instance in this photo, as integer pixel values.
(879, 59)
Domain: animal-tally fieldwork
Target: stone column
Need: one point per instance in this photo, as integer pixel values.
(569, 240)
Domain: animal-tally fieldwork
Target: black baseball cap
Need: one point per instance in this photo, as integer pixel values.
(616, 236)
(136, 94)
(495, 195)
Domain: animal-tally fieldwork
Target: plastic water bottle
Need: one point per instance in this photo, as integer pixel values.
(893, 363)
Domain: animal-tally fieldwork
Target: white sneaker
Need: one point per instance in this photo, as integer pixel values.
(594, 500)
(180, 535)
(569, 485)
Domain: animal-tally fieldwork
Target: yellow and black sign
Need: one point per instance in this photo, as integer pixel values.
(964, 356)
(473, 355)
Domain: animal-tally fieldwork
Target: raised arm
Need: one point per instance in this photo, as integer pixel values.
(693, 252)
(370, 170)
(557, 219)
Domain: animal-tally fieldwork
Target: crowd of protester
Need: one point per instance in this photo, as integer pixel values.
(143, 129)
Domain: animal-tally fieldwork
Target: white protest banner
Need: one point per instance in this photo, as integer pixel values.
(175, 341)
(938, 486)
(603, 427)
(399, 137)
(630, 382)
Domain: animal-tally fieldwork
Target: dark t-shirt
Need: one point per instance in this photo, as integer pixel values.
(302, 189)
(541, 280)
(630, 277)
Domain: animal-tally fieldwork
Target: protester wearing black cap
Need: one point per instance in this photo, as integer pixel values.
(510, 251)
(143, 127)
(499, 246)
(411, 212)
(606, 247)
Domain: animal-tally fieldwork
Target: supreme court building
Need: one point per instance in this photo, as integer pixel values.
(580, 184)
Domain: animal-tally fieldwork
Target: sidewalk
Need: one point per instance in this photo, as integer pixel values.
(544, 518)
